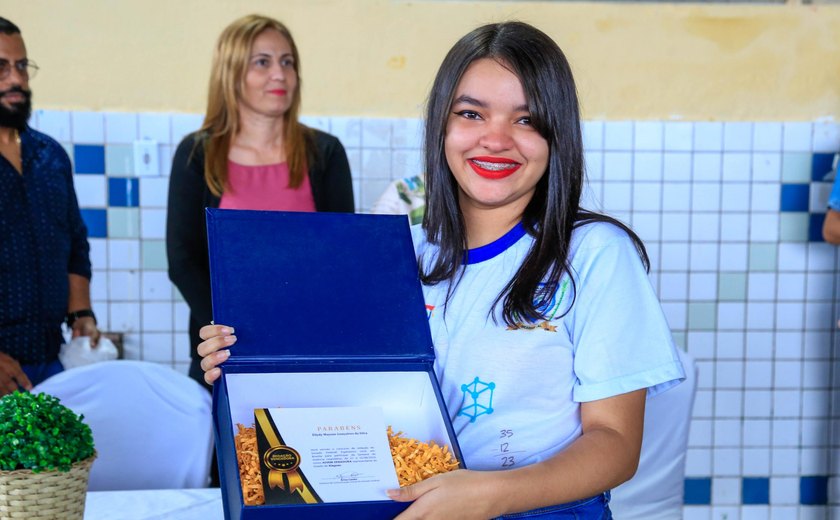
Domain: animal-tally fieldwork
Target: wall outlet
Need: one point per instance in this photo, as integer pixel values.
(146, 162)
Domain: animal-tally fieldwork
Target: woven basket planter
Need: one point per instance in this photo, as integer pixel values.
(58, 495)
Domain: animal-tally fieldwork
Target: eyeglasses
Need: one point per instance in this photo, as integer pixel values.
(25, 68)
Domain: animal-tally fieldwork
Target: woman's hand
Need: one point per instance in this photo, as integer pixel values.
(604, 456)
(461, 494)
(214, 349)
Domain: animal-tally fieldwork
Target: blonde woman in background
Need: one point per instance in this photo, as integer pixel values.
(250, 153)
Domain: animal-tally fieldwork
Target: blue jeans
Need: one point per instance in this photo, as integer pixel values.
(595, 508)
(40, 371)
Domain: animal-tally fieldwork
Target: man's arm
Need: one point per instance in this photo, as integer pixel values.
(79, 300)
(11, 375)
(831, 227)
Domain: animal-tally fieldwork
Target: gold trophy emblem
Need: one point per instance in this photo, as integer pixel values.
(283, 461)
(282, 458)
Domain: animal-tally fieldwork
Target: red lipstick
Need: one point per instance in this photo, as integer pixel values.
(493, 168)
(277, 92)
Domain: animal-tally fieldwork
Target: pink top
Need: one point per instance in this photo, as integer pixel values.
(265, 187)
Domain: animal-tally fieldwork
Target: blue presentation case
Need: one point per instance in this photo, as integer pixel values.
(328, 311)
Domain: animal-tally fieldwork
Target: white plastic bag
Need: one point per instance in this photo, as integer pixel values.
(78, 352)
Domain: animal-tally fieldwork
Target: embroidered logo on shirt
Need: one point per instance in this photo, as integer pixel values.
(480, 398)
(548, 308)
(430, 309)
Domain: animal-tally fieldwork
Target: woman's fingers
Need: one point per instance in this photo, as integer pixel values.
(209, 331)
(215, 337)
(212, 375)
(205, 348)
(215, 359)
(214, 349)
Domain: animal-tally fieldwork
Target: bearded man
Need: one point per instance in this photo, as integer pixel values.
(44, 252)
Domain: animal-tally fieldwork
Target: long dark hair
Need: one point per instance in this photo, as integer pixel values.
(554, 211)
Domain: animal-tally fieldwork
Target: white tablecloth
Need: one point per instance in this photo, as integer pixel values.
(179, 504)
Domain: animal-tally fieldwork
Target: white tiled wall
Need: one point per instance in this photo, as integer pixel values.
(744, 289)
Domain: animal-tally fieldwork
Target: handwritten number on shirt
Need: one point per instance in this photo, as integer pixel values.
(504, 447)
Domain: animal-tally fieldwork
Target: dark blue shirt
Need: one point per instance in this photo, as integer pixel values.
(42, 240)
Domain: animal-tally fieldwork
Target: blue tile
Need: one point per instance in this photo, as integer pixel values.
(698, 491)
(821, 165)
(815, 225)
(794, 197)
(813, 491)
(96, 221)
(755, 490)
(89, 158)
(123, 192)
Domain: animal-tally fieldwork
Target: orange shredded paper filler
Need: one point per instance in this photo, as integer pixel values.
(413, 460)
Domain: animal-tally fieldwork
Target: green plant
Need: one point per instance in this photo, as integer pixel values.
(37, 432)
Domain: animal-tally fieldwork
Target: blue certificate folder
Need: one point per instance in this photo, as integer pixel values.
(328, 311)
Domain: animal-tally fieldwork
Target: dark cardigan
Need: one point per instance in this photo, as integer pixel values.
(186, 229)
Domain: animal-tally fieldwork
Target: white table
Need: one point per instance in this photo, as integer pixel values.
(156, 504)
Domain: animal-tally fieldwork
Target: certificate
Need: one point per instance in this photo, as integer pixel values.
(315, 455)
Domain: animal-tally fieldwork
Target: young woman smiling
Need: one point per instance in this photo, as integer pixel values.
(544, 304)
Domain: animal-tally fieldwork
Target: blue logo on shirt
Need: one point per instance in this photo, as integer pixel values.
(481, 397)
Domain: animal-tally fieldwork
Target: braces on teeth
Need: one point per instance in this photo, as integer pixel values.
(495, 166)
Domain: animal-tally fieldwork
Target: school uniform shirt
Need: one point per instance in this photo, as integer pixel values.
(514, 392)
